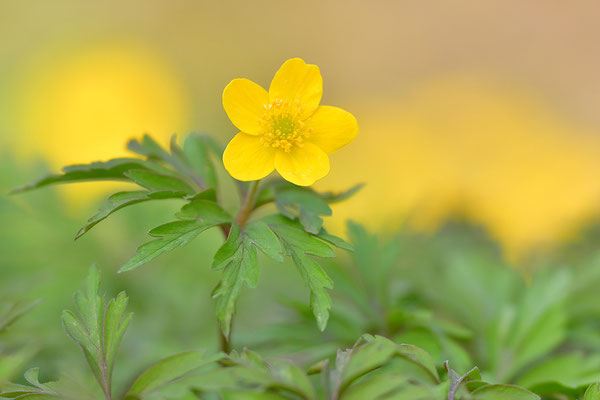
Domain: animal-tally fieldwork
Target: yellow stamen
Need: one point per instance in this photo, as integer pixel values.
(282, 126)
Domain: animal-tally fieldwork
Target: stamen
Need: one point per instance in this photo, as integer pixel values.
(282, 126)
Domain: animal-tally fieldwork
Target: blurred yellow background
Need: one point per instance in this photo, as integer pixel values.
(488, 109)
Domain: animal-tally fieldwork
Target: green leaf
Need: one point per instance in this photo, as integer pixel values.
(79, 334)
(366, 358)
(148, 147)
(121, 200)
(336, 197)
(238, 258)
(293, 233)
(204, 210)
(377, 387)
(115, 325)
(229, 249)
(113, 170)
(503, 392)
(298, 243)
(168, 370)
(305, 204)
(196, 149)
(14, 311)
(208, 194)
(171, 235)
(65, 389)
(420, 357)
(317, 281)
(334, 240)
(263, 238)
(97, 329)
(155, 181)
(178, 159)
(592, 392)
(570, 369)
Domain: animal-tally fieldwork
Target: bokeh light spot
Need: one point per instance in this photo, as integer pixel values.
(83, 105)
(496, 154)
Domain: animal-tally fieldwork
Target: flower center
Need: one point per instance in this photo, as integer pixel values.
(282, 126)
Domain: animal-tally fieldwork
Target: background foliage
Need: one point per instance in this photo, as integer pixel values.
(452, 294)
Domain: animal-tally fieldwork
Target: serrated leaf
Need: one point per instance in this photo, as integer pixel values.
(114, 170)
(155, 181)
(97, 330)
(263, 238)
(65, 389)
(177, 158)
(204, 210)
(168, 370)
(148, 147)
(238, 258)
(297, 244)
(115, 325)
(171, 235)
(336, 197)
(293, 233)
(196, 149)
(121, 200)
(317, 281)
(229, 249)
(208, 194)
(304, 204)
(79, 333)
(335, 240)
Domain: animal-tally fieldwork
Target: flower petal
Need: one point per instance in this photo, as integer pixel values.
(297, 80)
(304, 165)
(332, 128)
(247, 159)
(244, 103)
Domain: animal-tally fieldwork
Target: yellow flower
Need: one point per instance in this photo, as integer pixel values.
(284, 129)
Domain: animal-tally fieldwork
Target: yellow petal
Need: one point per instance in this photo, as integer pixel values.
(304, 165)
(247, 159)
(332, 128)
(244, 103)
(297, 80)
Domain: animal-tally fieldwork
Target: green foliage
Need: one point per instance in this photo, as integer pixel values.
(237, 257)
(413, 301)
(121, 200)
(459, 301)
(374, 368)
(11, 312)
(98, 328)
(593, 392)
(168, 371)
(13, 356)
(304, 204)
(298, 244)
(189, 174)
(114, 170)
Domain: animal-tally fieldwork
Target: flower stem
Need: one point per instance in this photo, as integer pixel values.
(241, 219)
(248, 204)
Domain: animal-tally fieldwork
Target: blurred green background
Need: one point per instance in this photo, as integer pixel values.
(485, 110)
